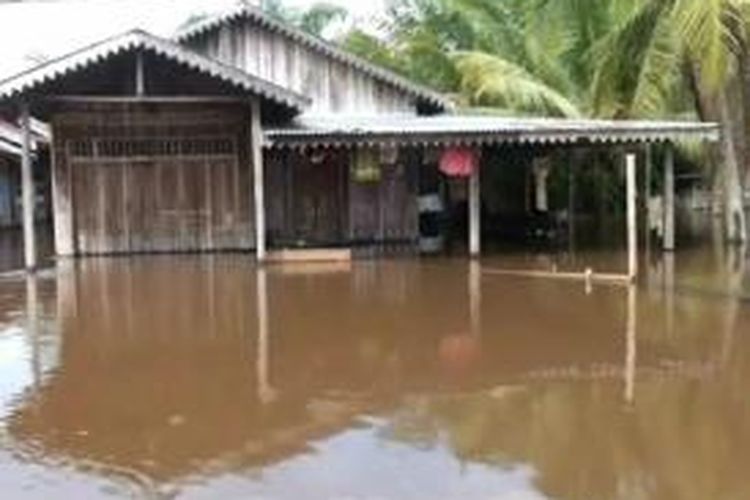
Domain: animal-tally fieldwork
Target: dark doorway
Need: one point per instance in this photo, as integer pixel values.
(320, 199)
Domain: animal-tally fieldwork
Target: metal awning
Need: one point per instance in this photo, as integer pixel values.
(451, 130)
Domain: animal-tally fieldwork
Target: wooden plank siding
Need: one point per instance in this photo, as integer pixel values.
(161, 178)
(333, 86)
(321, 203)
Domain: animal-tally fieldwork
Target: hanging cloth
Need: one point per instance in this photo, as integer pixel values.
(458, 162)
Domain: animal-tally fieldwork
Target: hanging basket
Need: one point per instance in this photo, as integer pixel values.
(459, 162)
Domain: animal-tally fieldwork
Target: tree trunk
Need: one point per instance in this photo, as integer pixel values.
(734, 210)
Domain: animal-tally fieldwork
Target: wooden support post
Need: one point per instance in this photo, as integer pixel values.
(648, 172)
(632, 195)
(28, 196)
(669, 200)
(258, 181)
(475, 213)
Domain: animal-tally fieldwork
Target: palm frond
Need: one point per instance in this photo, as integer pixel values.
(488, 80)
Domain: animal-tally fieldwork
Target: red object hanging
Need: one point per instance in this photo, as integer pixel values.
(458, 162)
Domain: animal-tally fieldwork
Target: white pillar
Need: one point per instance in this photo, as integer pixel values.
(28, 196)
(541, 174)
(475, 213)
(632, 194)
(669, 188)
(258, 181)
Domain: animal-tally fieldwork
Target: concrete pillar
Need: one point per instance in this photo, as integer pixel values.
(632, 211)
(669, 200)
(28, 196)
(475, 213)
(258, 181)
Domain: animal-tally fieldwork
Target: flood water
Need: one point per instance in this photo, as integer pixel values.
(203, 377)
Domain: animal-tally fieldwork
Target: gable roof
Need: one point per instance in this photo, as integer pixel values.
(55, 69)
(244, 11)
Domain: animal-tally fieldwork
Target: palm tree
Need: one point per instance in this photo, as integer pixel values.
(610, 59)
(665, 50)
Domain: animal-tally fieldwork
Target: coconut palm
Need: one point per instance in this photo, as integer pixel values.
(611, 59)
(665, 50)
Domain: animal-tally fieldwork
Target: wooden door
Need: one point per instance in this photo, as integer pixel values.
(319, 195)
(162, 203)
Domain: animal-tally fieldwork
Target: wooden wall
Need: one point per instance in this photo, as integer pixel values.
(147, 178)
(333, 86)
(306, 199)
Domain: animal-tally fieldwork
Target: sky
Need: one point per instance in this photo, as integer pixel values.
(54, 28)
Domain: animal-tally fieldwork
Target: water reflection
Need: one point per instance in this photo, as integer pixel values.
(205, 377)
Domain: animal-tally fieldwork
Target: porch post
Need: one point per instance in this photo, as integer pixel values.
(632, 193)
(669, 188)
(475, 213)
(258, 181)
(28, 197)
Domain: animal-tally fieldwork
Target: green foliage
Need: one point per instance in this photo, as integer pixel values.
(314, 20)
(488, 80)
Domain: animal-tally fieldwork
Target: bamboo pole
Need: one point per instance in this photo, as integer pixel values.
(258, 181)
(27, 192)
(632, 194)
(588, 277)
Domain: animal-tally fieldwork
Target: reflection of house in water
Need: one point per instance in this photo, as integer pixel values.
(170, 368)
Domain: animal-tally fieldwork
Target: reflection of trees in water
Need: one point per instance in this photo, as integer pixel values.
(679, 441)
(686, 434)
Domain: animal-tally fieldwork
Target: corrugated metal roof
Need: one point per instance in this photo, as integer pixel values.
(141, 40)
(332, 130)
(273, 24)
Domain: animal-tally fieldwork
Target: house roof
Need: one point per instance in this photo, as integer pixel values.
(244, 11)
(30, 80)
(446, 129)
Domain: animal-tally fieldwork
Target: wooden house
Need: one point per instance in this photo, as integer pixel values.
(244, 133)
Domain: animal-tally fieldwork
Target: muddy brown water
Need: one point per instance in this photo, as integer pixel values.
(203, 377)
